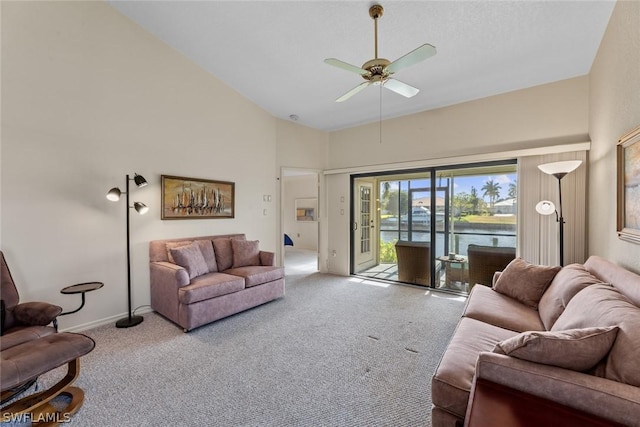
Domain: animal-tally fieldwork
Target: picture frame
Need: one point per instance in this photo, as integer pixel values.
(628, 186)
(196, 198)
(306, 209)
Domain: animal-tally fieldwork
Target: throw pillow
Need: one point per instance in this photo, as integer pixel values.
(570, 280)
(171, 245)
(525, 282)
(245, 252)
(190, 258)
(206, 247)
(575, 349)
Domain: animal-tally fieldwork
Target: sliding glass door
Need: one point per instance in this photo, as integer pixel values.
(424, 221)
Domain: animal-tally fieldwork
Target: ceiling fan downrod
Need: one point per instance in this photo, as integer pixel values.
(375, 12)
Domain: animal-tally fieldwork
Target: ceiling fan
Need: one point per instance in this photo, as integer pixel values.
(378, 71)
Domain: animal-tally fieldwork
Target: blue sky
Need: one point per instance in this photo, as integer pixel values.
(464, 183)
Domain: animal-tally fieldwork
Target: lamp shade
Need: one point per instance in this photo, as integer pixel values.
(139, 180)
(545, 207)
(141, 208)
(563, 167)
(114, 194)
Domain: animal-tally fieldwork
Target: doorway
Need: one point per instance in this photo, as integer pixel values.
(300, 220)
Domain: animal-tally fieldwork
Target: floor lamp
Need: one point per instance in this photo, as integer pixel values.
(545, 207)
(114, 195)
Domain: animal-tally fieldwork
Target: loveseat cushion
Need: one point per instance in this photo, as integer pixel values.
(257, 274)
(224, 253)
(570, 280)
(603, 305)
(209, 286)
(451, 383)
(190, 258)
(524, 281)
(575, 349)
(245, 252)
(206, 247)
(492, 307)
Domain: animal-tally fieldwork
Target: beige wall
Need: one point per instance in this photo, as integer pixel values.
(87, 97)
(614, 110)
(543, 115)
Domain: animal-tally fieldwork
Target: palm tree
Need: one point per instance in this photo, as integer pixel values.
(513, 190)
(474, 200)
(492, 190)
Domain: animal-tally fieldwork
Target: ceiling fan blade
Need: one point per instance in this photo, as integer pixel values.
(341, 64)
(353, 91)
(420, 54)
(401, 88)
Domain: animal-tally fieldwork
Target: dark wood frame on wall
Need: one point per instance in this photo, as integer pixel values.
(196, 198)
(628, 168)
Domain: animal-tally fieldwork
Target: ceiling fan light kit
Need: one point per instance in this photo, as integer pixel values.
(378, 71)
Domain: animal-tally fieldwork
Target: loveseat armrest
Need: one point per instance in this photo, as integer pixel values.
(594, 395)
(267, 258)
(36, 313)
(170, 274)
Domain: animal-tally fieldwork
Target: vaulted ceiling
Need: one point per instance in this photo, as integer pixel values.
(272, 52)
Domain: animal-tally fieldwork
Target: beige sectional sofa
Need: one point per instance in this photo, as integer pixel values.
(574, 340)
(197, 280)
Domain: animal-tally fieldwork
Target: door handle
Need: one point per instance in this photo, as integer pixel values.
(355, 226)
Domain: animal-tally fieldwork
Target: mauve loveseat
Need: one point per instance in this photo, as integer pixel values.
(595, 374)
(197, 280)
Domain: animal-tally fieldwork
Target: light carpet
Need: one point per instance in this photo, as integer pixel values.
(335, 351)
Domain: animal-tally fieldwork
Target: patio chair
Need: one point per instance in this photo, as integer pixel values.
(484, 261)
(414, 265)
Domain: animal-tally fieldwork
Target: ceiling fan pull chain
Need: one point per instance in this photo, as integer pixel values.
(380, 125)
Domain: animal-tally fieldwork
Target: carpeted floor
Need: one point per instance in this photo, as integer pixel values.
(335, 351)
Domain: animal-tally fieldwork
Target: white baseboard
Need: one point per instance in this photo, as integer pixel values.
(105, 321)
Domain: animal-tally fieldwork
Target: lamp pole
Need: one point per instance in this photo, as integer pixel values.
(131, 320)
(561, 218)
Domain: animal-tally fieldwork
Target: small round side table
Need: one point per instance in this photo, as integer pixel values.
(80, 288)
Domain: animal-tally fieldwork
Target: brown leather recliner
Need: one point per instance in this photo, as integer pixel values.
(22, 322)
(29, 347)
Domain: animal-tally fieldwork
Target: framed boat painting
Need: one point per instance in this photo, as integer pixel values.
(629, 186)
(195, 198)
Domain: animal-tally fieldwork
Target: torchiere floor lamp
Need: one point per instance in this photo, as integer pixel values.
(545, 207)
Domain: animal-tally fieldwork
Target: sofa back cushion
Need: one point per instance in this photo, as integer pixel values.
(525, 282)
(627, 282)
(206, 247)
(603, 305)
(565, 285)
(224, 252)
(245, 252)
(158, 248)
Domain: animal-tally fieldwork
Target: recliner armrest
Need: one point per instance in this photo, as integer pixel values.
(594, 395)
(36, 313)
